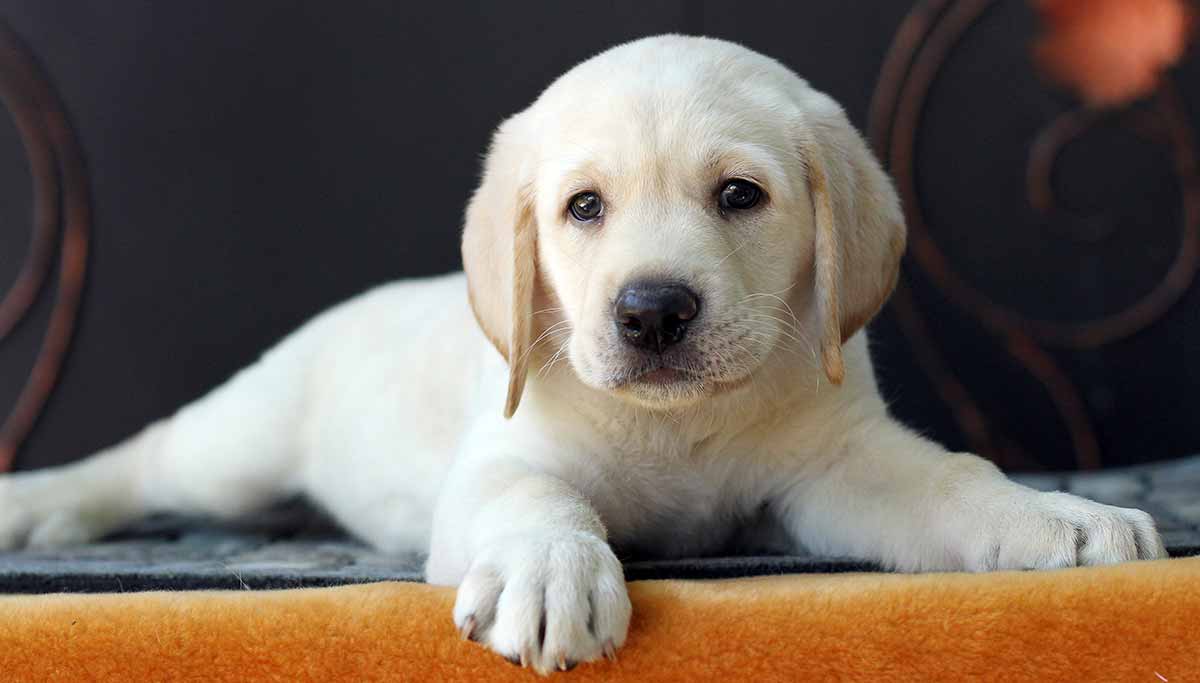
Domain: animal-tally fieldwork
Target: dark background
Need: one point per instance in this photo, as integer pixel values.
(255, 162)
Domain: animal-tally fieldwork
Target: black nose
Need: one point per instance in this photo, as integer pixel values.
(654, 315)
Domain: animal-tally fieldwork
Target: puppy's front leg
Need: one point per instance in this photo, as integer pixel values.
(890, 496)
(537, 581)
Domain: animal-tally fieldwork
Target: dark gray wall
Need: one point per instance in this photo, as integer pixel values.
(255, 162)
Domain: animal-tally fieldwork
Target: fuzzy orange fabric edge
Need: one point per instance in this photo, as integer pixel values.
(1138, 621)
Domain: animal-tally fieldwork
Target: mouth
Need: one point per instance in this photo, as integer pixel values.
(663, 377)
(679, 376)
(658, 376)
(661, 382)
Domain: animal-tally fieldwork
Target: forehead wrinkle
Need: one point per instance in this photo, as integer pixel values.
(572, 171)
(609, 149)
(738, 131)
(647, 141)
(758, 162)
(646, 147)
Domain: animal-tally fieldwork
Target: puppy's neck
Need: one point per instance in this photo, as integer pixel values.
(778, 388)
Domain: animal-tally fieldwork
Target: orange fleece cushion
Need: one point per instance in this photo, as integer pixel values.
(1128, 622)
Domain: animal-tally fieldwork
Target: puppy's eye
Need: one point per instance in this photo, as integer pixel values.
(739, 194)
(586, 206)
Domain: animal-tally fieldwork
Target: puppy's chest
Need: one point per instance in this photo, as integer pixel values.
(659, 507)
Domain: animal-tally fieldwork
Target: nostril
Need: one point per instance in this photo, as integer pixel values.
(688, 308)
(673, 326)
(632, 325)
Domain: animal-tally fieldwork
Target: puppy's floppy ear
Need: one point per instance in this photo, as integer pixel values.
(860, 231)
(499, 250)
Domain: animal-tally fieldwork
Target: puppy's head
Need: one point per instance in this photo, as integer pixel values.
(669, 214)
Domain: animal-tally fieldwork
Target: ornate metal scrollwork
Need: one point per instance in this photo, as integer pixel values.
(918, 53)
(61, 197)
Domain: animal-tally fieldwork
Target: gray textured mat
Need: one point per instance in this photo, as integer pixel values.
(294, 547)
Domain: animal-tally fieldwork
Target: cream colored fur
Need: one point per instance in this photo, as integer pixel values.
(390, 410)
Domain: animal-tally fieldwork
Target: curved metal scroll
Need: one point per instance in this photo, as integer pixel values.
(60, 195)
(919, 50)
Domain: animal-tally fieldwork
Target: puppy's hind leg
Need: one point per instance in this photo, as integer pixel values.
(224, 455)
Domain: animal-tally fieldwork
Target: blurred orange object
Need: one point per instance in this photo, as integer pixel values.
(1111, 51)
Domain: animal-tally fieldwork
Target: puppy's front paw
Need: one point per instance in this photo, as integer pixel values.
(546, 602)
(1032, 530)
